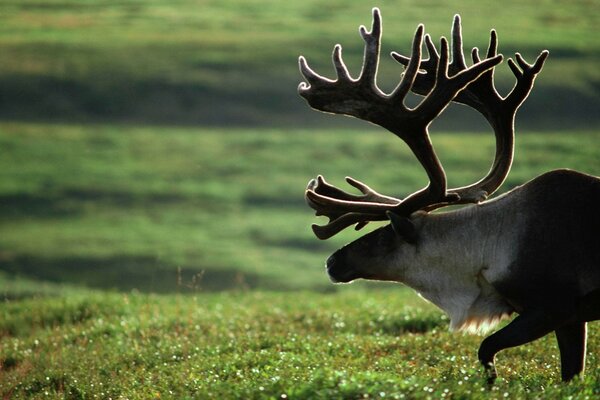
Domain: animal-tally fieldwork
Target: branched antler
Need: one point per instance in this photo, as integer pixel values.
(346, 209)
(442, 82)
(482, 95)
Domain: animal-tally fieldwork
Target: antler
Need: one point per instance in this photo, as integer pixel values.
(362, 98)
(345, 209)
(481, 95)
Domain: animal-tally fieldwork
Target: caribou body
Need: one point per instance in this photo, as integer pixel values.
(534, 251)
(535, 247)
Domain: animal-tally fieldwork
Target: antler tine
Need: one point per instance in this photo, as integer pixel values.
(324, 232)
(493, 46)
(321, 187)
(412, 68)
(424, 82)
(333, 207)
(525, 78)
(372, 40)
(340, 66)
(345, 209)
(458, 58)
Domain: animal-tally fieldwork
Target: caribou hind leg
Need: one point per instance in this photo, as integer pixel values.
(525, 328)
(571, 342)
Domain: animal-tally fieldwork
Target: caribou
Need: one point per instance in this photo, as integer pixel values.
(533, 251)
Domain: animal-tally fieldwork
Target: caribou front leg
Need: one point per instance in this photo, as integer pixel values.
(525, 328)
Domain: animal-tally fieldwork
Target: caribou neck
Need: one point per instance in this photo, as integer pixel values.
(460, 257)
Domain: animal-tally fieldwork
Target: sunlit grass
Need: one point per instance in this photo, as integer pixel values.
(186, 211)
(376, 344)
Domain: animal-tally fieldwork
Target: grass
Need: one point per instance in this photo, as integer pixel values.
(262, 345)
(117, 242)
(215, 62)
(141, 262)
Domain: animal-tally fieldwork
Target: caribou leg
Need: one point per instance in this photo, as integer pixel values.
(525, 328)
(571, 342)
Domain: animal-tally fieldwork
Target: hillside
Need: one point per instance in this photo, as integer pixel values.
(166, 209)
(233, 62)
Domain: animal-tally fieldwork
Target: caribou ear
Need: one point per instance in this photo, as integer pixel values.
(403, 227)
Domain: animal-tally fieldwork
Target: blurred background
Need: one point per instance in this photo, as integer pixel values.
(161, 146)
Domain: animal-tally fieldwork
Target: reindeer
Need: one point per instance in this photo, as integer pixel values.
(534, 251)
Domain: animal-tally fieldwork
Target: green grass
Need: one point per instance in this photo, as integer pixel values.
(97, 221)
(149, 208)
(161, 262)
(215, 62)
(261, 345)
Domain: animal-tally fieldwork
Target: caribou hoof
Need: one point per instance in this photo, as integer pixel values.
(490, 373)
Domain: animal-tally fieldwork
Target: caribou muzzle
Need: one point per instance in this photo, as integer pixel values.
(339, 271)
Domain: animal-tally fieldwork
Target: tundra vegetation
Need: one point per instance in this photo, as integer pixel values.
(141, 261)
(87, 242)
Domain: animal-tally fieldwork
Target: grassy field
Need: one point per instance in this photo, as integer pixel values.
(142, 261)
(262, 345)
(97, 221)
(216, 62)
